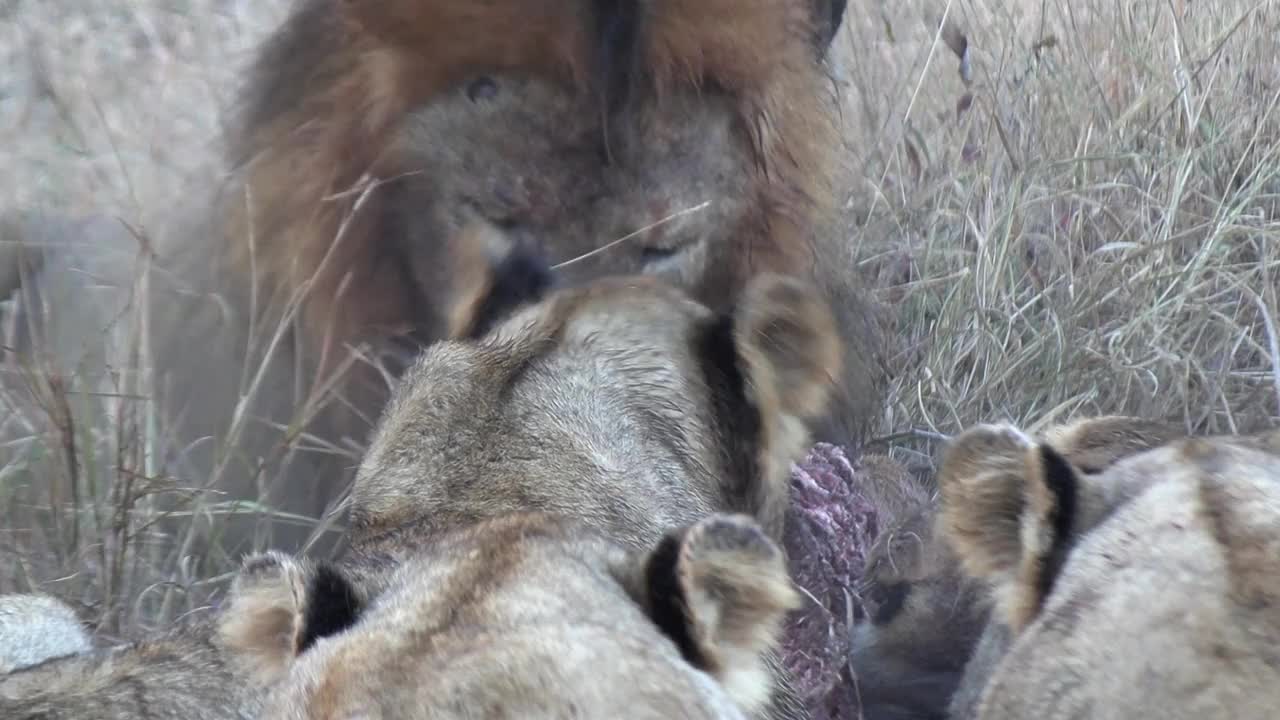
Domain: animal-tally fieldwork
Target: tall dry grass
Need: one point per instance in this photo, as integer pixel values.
(1068, 207)
(110, 108)
(1072, 207)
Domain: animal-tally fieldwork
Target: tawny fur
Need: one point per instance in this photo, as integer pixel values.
(583, 385)
(1160, 599)
(928, 620)
(989, 467)
(532, 615)
(624, 404)
(1093, 444)
(371, 138)
(265, 615)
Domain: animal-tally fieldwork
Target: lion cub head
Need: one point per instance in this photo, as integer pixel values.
(624, 403)
(1147, 589)
(528, 615)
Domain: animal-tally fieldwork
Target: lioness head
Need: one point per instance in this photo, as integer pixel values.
(624, 403)
(1147, 589)
(527, 615)
(927, 620)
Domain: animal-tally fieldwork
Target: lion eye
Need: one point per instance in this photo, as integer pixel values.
(481, 89)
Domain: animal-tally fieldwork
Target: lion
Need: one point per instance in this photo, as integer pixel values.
(529, 615)
(926, 620)
(605, 137)
(35, 627)
(532, 615)
(580, 387)
(1146, 589)
(623, 404)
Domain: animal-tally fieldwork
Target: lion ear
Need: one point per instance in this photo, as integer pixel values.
(278, 606)
(1009, 508)
(787, 355)
(492, 275)
(719, 588)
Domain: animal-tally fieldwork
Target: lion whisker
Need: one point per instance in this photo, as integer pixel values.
(624, 238)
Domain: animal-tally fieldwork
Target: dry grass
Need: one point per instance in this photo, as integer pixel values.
(1083, 221)
(110, 108)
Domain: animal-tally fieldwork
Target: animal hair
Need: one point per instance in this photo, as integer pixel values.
(318, 120)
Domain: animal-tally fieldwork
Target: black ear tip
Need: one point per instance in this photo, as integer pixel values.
(1060, 479)
(1059, 471)
(837, 12)
(332, 605)
(667, 603)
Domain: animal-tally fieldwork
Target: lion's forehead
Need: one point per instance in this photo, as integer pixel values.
(537, 629)
(531, 671)
(635, 315)
(1194, 491)
(1161, 533)
(637, 330)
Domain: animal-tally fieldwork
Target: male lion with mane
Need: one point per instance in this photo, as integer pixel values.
(370, 135)
(623, 405)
